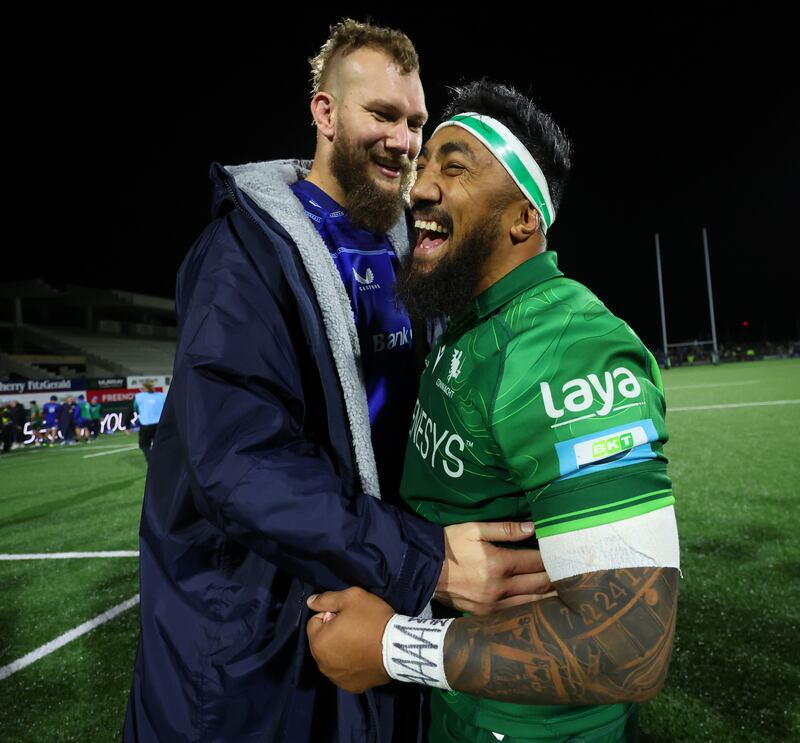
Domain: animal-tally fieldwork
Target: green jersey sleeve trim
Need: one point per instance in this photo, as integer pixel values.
(603, 489)
(606, 507)
(606, 518)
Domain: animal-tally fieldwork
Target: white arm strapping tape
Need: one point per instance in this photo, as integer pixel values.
(413, 650)
(649, 540)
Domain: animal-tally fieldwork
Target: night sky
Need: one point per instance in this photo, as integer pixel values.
(679, 121)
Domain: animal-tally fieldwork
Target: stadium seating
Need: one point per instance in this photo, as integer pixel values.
(117, 354)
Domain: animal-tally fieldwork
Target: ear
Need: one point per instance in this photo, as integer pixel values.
(525, 224)
(322, 109)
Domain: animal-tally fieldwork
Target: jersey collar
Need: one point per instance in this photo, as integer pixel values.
(325, 205)
(528, 274)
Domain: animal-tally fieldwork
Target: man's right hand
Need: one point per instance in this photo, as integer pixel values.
(481, 578)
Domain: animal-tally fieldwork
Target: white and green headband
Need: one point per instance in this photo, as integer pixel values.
(513, 156)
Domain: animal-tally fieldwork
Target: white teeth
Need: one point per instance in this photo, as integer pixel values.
(432, 226)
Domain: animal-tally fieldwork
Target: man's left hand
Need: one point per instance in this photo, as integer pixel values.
(348, 645)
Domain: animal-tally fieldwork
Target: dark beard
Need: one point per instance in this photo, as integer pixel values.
(450, 286)
(368, 205)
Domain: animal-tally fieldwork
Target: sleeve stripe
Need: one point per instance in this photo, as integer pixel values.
(604, 506)
(609, 515)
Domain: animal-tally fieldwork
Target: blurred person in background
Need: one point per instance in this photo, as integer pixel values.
(16, 413)
(66, 421)
(82, 419)
(6, 428)
(148, 404)
(51, 417)
(129, 420)
(94, 417)
(36, 423)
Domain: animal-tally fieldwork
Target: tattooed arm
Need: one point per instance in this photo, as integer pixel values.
(606, 637)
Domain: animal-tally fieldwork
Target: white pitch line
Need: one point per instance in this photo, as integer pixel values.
(108, 446)
(67, 637)
(106, 453)
(31, 449)
(86, 447)
(734, 405)
(669, 388)
(67, 555)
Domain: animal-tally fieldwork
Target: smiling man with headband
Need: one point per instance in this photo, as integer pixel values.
(535, 402)
(512, 155)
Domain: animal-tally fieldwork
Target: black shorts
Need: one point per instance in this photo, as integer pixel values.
(146, 435)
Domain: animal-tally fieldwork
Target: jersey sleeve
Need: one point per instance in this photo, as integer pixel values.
(579, 416)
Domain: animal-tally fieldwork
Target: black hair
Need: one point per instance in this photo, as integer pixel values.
(537, 131)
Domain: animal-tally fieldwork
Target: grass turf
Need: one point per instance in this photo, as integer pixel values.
(736, 665)
(736, 474)
(58, 500)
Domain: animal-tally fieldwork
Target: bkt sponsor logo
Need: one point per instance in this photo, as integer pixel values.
(387, 341)
(612, 446)
(436, 446)
(578, 395)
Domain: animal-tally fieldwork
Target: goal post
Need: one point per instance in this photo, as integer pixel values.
(691, 350)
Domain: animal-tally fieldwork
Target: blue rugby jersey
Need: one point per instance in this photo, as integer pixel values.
(50, 410)
(367, 262)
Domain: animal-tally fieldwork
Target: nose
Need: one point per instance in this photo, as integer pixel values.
(399, 139)
(425, 188)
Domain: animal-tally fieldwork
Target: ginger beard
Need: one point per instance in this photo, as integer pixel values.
(447, 287)
(369, 205)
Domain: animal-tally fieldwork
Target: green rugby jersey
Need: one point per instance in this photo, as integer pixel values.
(537, 403)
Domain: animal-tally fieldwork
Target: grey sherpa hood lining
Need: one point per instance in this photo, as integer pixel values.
(267, 184)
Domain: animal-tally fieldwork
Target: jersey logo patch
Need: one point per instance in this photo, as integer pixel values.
(367, 279)
(578, 395)
(606, 448)
(455, 364)
(615, 447)
(389, 340)
(436, 446)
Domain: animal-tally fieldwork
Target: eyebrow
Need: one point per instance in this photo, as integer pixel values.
(448, 148)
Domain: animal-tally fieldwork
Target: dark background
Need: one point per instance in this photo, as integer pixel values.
(680, 119)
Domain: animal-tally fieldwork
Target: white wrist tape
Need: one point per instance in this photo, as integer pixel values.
(413, 650)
